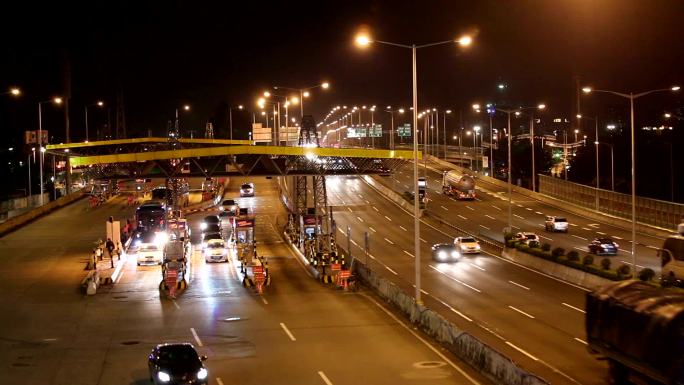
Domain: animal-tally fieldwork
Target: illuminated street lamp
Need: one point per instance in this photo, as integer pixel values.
(363, 40)
(631, 96)
(99, 103)
(14, 91)
(304, 92)
(58, 101)
(230, 118)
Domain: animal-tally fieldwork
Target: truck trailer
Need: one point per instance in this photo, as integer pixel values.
(639, 328)
(461, 187)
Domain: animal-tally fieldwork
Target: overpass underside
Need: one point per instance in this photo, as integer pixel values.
(157, 157)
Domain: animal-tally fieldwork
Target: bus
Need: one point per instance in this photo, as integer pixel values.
(672, 258)
(151, 216)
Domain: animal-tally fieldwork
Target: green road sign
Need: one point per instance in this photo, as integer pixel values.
(404, 130)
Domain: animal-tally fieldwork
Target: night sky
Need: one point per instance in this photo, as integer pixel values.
(163, 54)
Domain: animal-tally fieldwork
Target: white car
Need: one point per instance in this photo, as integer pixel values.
(229, 208)
(215, 251)
(526, 237)
(247, 190)
(467, 245)
(556, 224)
(150, 254)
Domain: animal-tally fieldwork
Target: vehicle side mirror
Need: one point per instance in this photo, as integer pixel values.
(203, 358)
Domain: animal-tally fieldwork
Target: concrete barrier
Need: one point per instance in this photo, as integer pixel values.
(468, 348)
(562, 272)
(21, 220)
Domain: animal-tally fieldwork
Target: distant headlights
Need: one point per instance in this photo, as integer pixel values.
(164, 377)
(442, 255)
(202, 374)
(455, 254)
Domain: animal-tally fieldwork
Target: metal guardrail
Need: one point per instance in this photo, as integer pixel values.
(648, 211)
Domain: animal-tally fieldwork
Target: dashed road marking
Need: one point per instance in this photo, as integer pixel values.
(444, 208)
(470, 208)
(547, 238)
(455, 279)
(388, 218)
(616, 237)
(388, 268)
(219, 381)
(359, 218)
(518, 216)
(519, 285)
(496, 208)
(539, 212)
(528, 209)
(264, 301)
(485, 227)
(578, 237)
(376, 209)
(462, 217)
(403, 228)
(411, 255)
(423, 240)
(196, 337)
(573, 307)
(324, 378)
(587, 229)
(476, 266)
(349, 208)
(372, 229)
(389, 241)
(287, 331)
(600, 233)
(521, 312)
(580, 341)
(522, 351)
(489, 216)
(573, 225)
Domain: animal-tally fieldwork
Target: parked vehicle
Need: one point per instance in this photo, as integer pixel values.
(554, 223)
(603, 246)
(461, 187)
(639, 328)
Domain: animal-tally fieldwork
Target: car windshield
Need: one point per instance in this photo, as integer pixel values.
(211, 219)
(229, 203)
(177, 355)
(558, 219)
(215, 245)
(149, 248)
(212, 229)
(443, 246)
(605, 240)
(246, 186)
(530, 236)
(468, 240)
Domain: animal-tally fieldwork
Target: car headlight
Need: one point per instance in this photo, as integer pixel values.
(203, 226)
(202, 374)
(161, 238)
(163, 377)
(221, 208)
(477, 247)
(617, 246)
(442, 255)
(455, 254)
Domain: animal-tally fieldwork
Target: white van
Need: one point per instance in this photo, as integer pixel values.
(672, 258)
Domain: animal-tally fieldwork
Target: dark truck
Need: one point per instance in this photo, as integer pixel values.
(639, 328)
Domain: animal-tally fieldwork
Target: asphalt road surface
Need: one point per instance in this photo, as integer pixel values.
(297, 332)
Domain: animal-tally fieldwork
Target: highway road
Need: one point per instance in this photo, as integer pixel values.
(298, 332)
(534, 319)
(488, 215)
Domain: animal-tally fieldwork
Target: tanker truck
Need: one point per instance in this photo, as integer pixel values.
(461, 187)
(639, 328)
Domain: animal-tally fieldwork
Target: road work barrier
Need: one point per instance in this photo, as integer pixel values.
(476, 353)
(17, 222)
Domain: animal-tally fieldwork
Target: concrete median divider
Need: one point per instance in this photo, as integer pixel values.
(17, 222)
(468, 348)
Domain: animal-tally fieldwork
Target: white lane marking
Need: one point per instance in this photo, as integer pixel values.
(630, 263)
(522, 351)
(582, 249)
(176, 304)
(411, 255)
(354, 242)
(219, 381)
(539, 212)
(196, 337)
(600, 233)
(573, 307)
(573, 225)
(349, 208)
(541, 236)
(470, 208)
(388, 268)
(578, 237)
(389, 241)
(287, 331)
(485, 227)
(518, 216)
(519, 285)
(325, 378)
(264, 301)
(593, 225)
(616, 237)
(520, 205)
(587, 229)
(515, 227)
(361, 196)
(388, 218)
(581, 341)
(372, 229)
(489, 216)
(444, 208)
(403, 228)
(462, 217)
(118, 272)
(476, 266)
(376, 209)
(496, 208)
(423, 240)
(455, 279)
(652, 247)
(521, 312)
(421, 339)
(528, 209)
(360, 220)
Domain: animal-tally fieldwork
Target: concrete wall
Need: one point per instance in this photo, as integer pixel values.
(13, 207)
(20, 220)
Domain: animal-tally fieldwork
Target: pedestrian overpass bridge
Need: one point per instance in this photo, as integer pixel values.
(158, 157)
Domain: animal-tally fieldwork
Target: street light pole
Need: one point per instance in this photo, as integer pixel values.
(416, 204)
(631, 96)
